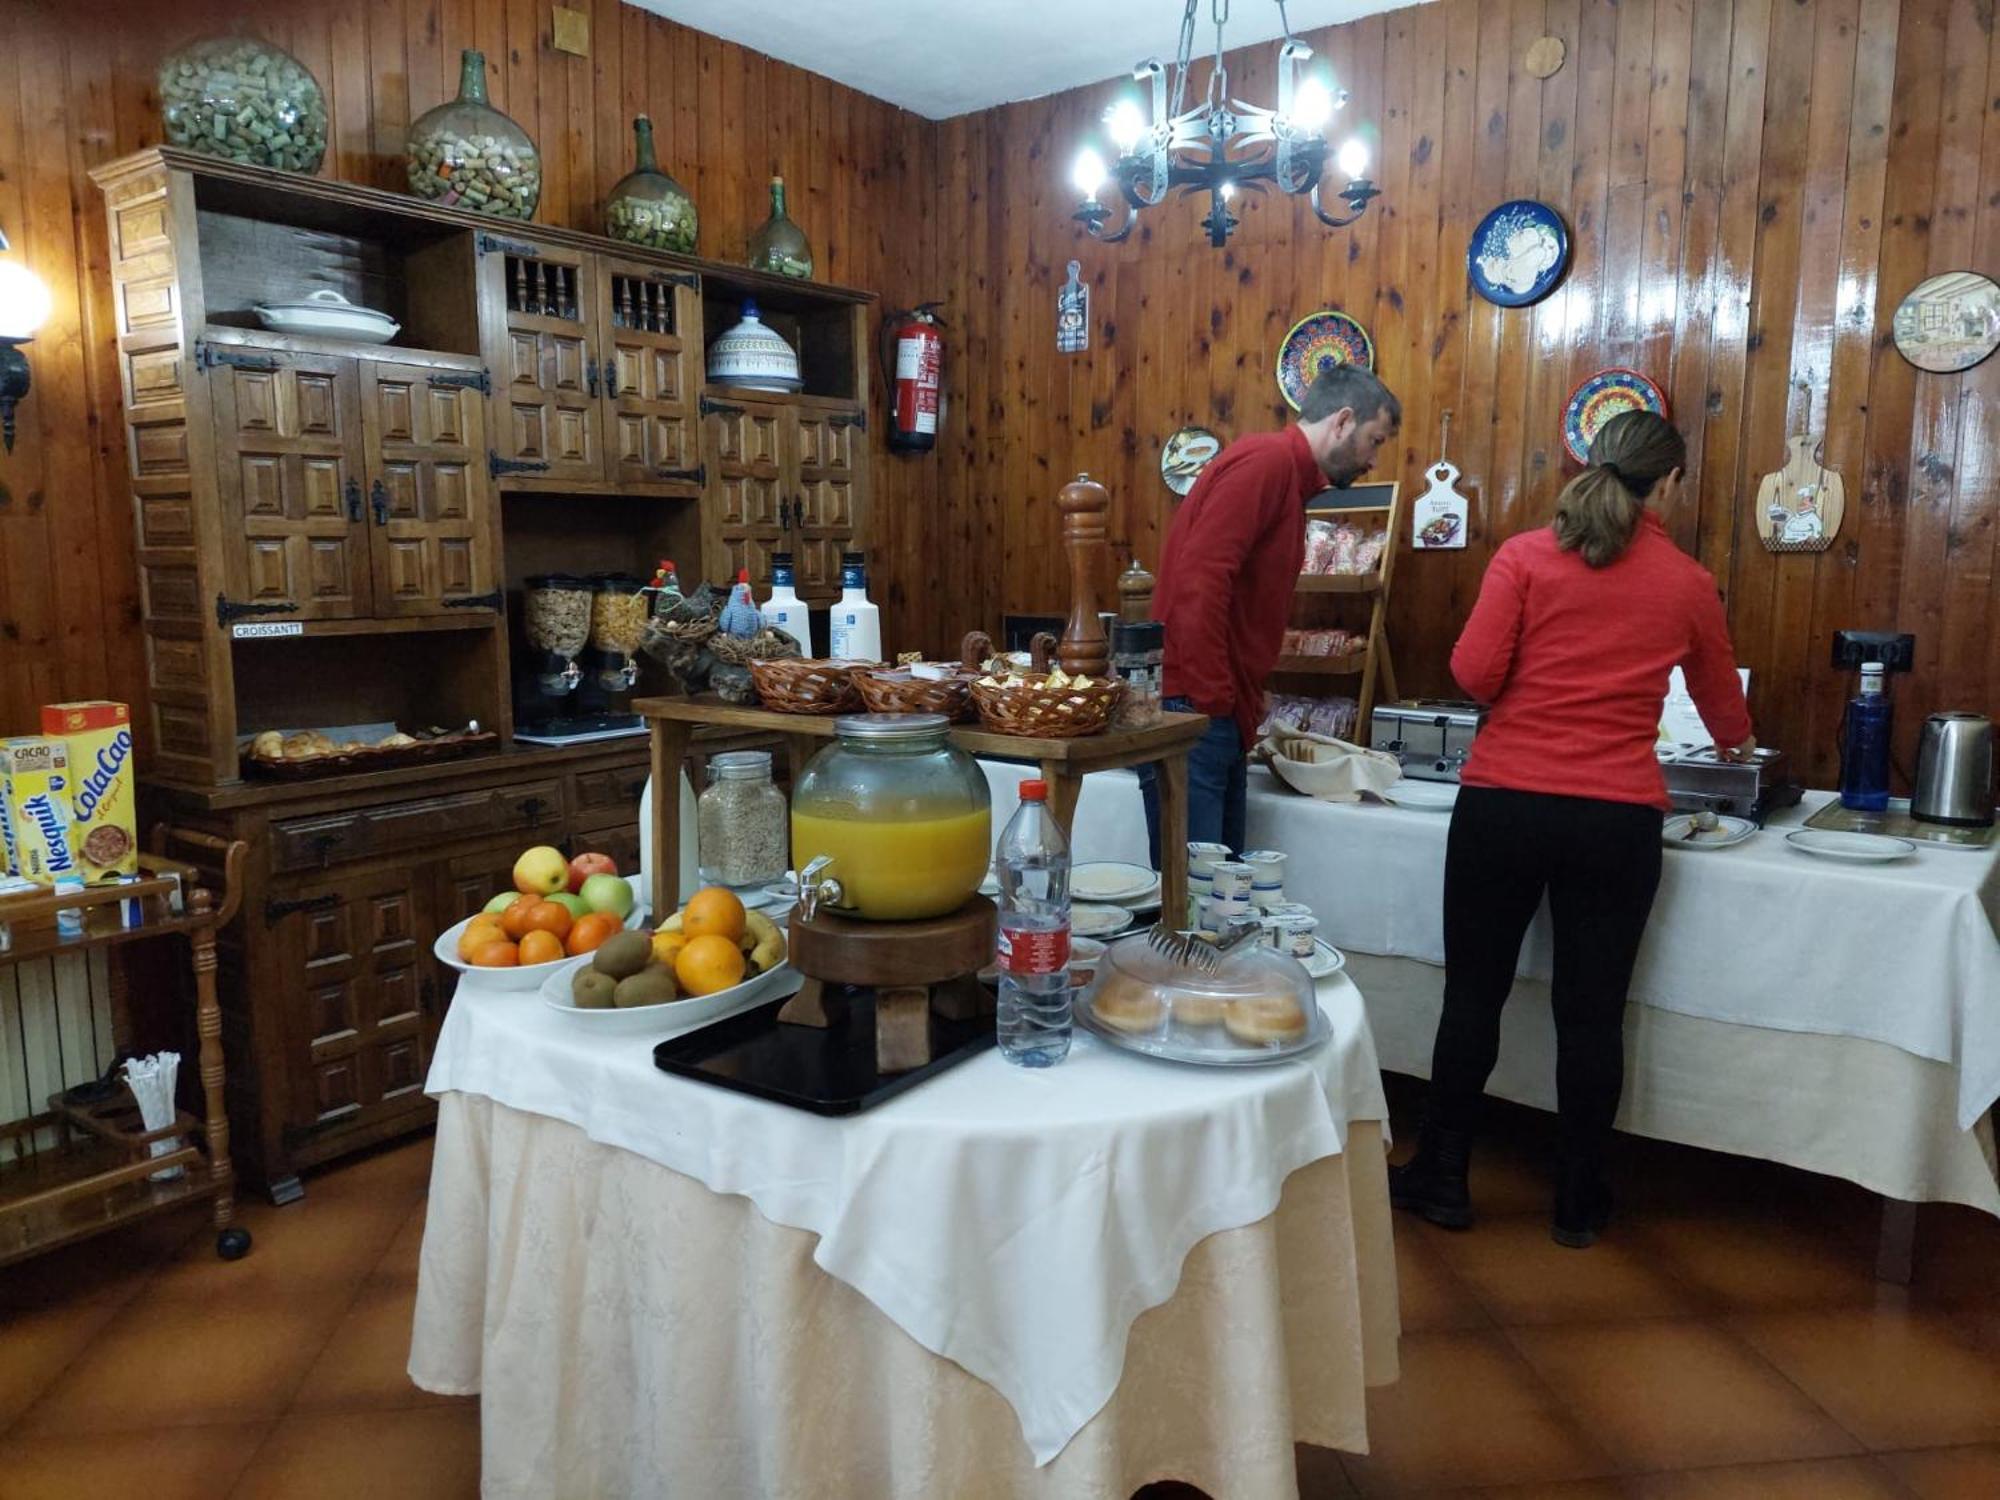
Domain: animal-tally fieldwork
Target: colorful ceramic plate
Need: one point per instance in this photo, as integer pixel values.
(1950, 322)
(1603, 396)
(1518, 253)
(1186, 454)
(1319, 343)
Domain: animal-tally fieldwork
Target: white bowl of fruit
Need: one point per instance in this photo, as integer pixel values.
(711, 957)
(559, 909)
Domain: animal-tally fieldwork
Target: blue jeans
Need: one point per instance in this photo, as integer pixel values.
(1218, 787)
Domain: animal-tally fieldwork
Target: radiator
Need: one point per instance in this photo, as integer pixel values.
(55, 1032)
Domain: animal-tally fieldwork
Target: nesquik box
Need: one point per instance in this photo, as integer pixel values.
(35, 789)
(104, 801)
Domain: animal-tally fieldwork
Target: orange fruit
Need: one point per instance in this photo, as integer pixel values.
(547, 916)
(541, 948)
(667, 945)
(709, 963)
(499, 954)
(714, 911)
(590, 931)
(514, 920)
(478, 932)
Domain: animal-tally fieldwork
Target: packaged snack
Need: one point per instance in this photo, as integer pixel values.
(104, 798)
(35, 788)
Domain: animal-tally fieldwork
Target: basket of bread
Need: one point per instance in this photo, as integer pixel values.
(1255, 1005)
(1053, 705)
(302, 753)
(807, 686)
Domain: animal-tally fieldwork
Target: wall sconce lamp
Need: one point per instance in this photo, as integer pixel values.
(24, 307)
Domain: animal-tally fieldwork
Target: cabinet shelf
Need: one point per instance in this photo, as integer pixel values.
(1339, 583)
(1349, 665)
(471, 619)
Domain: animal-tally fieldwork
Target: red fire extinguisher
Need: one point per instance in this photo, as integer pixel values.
(913, 365)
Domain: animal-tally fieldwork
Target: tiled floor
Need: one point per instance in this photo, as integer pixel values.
(1725, 1342)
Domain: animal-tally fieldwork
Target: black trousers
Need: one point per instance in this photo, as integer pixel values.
(1599, 863)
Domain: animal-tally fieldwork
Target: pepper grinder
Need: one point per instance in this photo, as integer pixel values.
(1135, 594)
(1084, 650)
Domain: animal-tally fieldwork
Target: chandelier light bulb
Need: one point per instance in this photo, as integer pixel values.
(1089, 172)
(1126, 124)
(1353, 160)
(24, 301)
(1313, 107)
(1228, 191)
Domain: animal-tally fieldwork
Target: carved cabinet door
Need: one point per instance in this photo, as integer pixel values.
(429, 500)
(362, 983)
(651, 375)
(747, 512)
(829, 490)
(286, 443)
(540, 305)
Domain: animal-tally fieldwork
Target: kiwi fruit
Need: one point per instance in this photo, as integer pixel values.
(651, 986)
(592, 990)
(623, 954)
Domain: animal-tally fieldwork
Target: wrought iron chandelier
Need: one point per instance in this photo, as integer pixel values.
(1220, 146)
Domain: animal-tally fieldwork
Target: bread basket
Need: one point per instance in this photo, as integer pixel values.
(895, 690)
(810, 686)
(1031, 707)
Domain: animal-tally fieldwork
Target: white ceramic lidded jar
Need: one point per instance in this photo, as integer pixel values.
(754, 356)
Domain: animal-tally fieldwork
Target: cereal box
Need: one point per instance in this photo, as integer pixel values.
(35, 787)
(104, 802)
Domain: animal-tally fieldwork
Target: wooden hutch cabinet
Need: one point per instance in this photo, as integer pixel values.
(330, 533)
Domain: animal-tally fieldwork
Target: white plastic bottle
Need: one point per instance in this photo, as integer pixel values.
(785, 610)
(856, 625)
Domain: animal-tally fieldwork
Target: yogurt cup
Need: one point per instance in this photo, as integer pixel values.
(1221, 912)
(1297, 936)
(1202, 858)
(1231, 880)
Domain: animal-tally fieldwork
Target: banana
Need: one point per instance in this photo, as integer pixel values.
(672, 924)
(769, 951)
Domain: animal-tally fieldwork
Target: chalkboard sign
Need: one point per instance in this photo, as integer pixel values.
(1355, 497)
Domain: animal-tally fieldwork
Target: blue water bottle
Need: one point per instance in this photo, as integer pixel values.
(1864, 748)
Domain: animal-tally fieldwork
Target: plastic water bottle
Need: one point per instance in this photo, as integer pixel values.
(1033, 862)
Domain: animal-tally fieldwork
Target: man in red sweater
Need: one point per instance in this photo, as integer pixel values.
(1228, 573)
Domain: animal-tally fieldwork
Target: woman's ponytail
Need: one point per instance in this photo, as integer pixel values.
(1598, 510)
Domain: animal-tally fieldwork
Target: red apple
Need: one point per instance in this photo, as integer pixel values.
(586, 865)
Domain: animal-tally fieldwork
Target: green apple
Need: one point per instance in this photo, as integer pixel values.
(608, 893)
(502, 901)
(542, 871)
(576, 906)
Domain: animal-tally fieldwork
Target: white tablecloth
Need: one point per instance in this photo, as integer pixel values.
(1013, 1221)
(1905, 954)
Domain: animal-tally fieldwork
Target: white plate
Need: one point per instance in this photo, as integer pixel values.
(1423, 796)
(1326, 959)
(1853, 848)
(523, 976)
(1113, 881)
(1088, 919)
(1678, 832)
(670, 1018)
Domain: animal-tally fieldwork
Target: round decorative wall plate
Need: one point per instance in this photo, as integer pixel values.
(1950, 322)
(1602, 397)
(1184, 457)
(1316, 343)
(1518, 253)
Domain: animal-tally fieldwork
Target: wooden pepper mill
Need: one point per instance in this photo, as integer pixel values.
(1084, 649)
(1135, 594)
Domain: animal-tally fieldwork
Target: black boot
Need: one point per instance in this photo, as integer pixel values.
(1583, 1202)
(1432, 1183)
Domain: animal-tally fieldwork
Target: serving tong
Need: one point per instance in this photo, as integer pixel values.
(1191, 953)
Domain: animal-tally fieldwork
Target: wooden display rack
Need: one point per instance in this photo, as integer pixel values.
(1373, 663)
(99, 1173)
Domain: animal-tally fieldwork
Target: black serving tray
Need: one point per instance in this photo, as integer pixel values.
(829, 1072)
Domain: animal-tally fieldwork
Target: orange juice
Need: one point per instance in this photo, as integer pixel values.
(899, 871)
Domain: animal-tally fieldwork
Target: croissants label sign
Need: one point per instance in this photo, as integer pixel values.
(264, 630)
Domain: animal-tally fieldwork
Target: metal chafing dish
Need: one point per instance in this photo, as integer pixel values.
(1698, 777)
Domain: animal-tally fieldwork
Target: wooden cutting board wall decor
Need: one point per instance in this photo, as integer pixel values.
(1799, 506)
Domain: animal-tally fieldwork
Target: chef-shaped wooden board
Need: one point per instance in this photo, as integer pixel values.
(1799, 507)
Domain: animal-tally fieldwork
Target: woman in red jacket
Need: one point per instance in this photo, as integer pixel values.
(1571, 642)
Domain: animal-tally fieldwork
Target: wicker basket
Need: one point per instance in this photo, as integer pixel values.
(1032, 708)
(886, 691)
(765, 645)
(807, 687)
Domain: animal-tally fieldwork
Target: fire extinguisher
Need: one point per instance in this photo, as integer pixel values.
(913, 365)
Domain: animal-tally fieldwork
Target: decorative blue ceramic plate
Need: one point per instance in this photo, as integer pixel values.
(1518, 253)
(1317, 343)
(1602, 397)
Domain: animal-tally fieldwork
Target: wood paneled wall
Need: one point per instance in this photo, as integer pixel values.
(1751, 185)
(76, 88)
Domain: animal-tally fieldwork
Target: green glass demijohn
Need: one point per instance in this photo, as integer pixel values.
(780, 247)
(648, 207)
(245, 100)
(467, 154)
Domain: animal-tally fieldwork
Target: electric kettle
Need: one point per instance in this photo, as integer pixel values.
(1955, 771)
